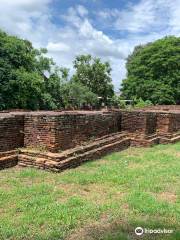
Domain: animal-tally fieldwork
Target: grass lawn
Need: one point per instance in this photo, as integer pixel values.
(105, 199)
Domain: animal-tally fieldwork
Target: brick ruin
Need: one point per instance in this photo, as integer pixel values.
(59, 140)
(59, 131)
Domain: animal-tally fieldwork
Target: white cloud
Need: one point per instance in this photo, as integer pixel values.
(25, 4)
(58, 47)
(26, 18)
(137, 18)
(82, 10)
(145, 17)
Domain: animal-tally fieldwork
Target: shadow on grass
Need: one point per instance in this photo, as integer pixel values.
(119, 230)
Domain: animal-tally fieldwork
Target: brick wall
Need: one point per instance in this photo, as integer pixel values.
(140, 122)
(39, 131)
(168, 123)
(176, 122)
(162, 108)
(65, 130)
(11, 131)
(8, 159)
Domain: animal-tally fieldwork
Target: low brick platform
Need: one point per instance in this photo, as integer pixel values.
(90, 151)
(75, 156)
(8, 159)
(81, 135)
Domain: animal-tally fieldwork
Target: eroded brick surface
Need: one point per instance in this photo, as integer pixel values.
(142, 123)
(11, 131)
(57, 131)
(63, 131)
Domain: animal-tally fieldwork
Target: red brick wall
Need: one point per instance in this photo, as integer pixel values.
(39, 131)
(168, 122)
(66, 130)
(176, 122)
(138, 122)
(11, 132)
(63, 130)
(162, 107)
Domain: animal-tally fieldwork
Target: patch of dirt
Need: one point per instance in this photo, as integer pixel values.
(100, 194)
(96, 193)
(166, 196)
(125, 207)
(134, 165)
(177, 154)
(97, 230)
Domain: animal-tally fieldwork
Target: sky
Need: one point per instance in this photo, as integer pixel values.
(108, 29)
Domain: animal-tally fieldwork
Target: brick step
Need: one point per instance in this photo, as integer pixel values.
(154, 140)
(27, 158)
(8, 161)
(150, 137)
(170, 136)
(164, 140)
(77, 150)
(175, 139)
(73, 161)
(144, 142)
(8, 153)
(92, 154)
(110, 135)
(176, 134)
(92, 151)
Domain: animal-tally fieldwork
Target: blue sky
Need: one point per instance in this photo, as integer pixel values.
(103, 28)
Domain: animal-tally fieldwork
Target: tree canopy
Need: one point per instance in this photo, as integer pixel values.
(95, 75)
(30, 80)
(23, 81)
(153, 72)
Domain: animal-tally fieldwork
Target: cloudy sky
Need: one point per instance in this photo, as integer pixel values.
(103, 28)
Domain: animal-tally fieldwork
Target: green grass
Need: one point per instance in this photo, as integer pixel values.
(105, 199)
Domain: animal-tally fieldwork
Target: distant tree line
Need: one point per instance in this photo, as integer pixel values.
(31, 80)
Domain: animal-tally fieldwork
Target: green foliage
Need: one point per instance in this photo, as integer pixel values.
(141, 103)
(30, 80)
(23, 82)
(118, 102)
(95, 75)
(24, 90)
(153, 72)
(77, 95)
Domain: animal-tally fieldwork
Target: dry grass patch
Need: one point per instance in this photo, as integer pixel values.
(166, 196)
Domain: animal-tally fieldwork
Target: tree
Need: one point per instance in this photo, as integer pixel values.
(153, 72)
(95, 75)
(30, 80)
(23, 76)
(76, 95)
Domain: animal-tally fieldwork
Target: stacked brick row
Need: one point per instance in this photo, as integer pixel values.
(138, 122)
(62, 131)
(74, 157)
(40, 131)
(57, 131)
(11, 132)
(168, 123)
(8, 159)
(72, 130)
(162, 108)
